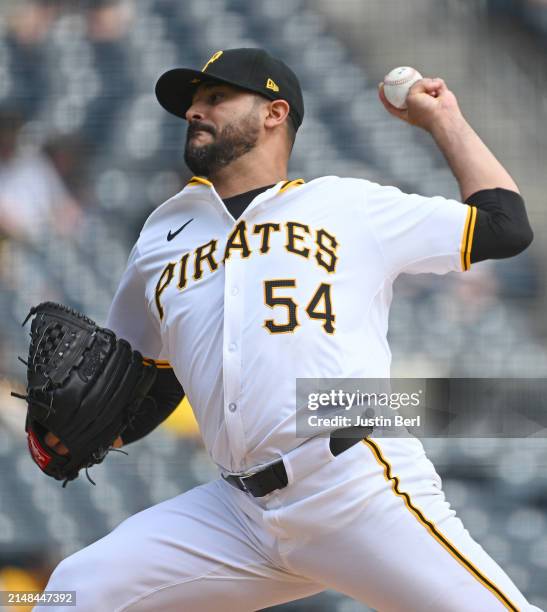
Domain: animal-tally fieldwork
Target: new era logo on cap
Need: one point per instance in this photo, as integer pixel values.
(251, 69)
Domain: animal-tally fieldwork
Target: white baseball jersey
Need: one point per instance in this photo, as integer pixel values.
(299, 286)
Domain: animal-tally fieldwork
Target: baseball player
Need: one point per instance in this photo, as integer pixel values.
(245, 281)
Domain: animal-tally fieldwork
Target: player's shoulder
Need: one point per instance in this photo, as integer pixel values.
(166, 208)
(349, 186)
(160, 219)
(191, 194)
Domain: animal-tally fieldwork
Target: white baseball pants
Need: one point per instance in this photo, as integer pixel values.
(372, 523)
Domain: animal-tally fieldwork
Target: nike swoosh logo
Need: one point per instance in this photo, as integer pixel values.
(172, 235)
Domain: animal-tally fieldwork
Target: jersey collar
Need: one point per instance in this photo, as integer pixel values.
(263, 199)
(280, 187)
(198, 180)
(289, 184)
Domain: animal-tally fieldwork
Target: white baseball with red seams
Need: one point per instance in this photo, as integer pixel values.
(397, 84)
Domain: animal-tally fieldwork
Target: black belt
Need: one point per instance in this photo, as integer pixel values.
(275, 475)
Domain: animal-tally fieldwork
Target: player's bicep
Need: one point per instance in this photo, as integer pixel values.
(129, 316)
(419, 234)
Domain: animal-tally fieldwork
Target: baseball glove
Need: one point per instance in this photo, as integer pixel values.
(84, 385)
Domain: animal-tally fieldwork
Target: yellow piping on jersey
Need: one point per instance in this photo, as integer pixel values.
(443, 541)
(288, 184)
(464, 237)
(161, 364)
(470, 238)
(198, 180)
(467, 237)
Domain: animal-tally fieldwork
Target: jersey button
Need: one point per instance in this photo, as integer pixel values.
(235, 291)
(232, 407)
(232, 347)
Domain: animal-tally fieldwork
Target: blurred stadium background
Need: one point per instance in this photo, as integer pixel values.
(86, 153)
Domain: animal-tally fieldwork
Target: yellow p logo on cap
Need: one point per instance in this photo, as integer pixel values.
(214, 58)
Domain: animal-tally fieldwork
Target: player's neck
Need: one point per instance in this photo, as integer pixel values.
(248, 173)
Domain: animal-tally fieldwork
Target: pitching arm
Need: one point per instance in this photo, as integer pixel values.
(434, 108)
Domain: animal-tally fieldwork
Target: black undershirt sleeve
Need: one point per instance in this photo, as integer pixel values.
(165, 395)
(502, 228)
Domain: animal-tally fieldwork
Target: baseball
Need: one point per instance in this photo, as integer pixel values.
(397, 84)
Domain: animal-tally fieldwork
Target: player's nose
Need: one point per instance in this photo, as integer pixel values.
(195, 112)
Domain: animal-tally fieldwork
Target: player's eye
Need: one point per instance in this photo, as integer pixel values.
(215, 97)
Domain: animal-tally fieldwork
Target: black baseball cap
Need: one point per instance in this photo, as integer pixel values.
(251, 69)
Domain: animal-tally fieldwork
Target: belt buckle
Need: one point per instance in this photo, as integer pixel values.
(241, 480)
(242, 476)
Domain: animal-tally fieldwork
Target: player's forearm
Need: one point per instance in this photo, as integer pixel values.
(165, 395)
(471, 161)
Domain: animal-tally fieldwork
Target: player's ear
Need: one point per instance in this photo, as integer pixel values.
(277, 113)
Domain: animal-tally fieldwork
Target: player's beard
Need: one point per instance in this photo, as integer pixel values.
(229, 144)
